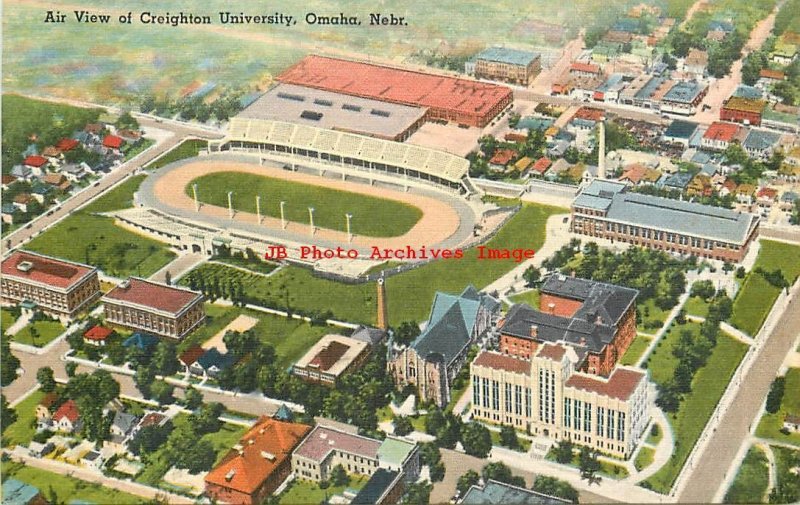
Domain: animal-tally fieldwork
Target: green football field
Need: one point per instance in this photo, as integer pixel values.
(372, 217)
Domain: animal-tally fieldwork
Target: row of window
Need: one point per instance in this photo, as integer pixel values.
(516, 398)
(578, 416)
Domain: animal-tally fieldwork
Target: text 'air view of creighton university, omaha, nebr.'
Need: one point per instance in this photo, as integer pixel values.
(408, 252)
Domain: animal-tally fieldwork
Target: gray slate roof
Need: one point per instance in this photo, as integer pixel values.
(125, 422)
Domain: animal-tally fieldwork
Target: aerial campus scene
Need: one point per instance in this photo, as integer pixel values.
(400, 252)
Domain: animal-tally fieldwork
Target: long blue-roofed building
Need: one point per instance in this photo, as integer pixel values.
(505, 64)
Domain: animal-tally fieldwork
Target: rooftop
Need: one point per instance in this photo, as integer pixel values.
(32, 267)
(395, 85)
(508, 56)
(323, 439)
(740, 103)
(98, 332)
(499, 493)
(761, 139)
(395, 451)
(332, 354)
(681, 129)
(620, 384)
(335, 111)
(16, 492)
(498, 361)
(671, 215)
(722, 131)
(153, 295)
(263, 449)
(579, 66)
(376, 487)
(684, 92)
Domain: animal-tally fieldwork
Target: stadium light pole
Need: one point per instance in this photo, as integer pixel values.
(283, 219)
(258, 209)
(196, 203)
(349, 235)
(230, 204)
(311, 219)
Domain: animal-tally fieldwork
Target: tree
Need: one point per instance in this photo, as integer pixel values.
(418, 493)
(47, 382)
(437, 472)
(406, 333)
(402, 426)
(476, 439)
(70, 368)
(165, 359)
(162, 392)
(589, 464)
(434, 421)
(206, 419)
(466, 481)
(143, 378)
(192, 398)
(8, 364)
(150, 438)
(7, 415)
(564, 451)
(338, 476)
(555, 487)
(531, 276)
(775, 395)
(703, 289)
(501, 473)
(508, 436)
(669, 398)
(740, 273)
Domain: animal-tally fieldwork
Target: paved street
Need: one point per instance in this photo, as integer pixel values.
(711, 469)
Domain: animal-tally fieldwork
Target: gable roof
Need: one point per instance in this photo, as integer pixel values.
(113, 141)
(124, 421)
(141, 340)
(153, 295)
(191, 355)
(35, 161)
(68, 409)
(98, 332)
(260, 452)
(213, 358)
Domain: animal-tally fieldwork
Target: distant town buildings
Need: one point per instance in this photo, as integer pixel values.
(506, 64)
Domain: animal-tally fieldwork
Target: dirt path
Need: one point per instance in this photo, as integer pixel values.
(439, 221)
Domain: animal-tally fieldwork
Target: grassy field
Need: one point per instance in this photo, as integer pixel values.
(652, 316)
(66, 489)
(785, 460)
(696, 306)
(257, 266)
(524, 443)
(21, 431)
(96, 240)
(184, 150)
(530, 297)
(607, 469)
(47, 331)
(755, 299)
(644, 458)
(635, 350)
(771, 424)
(305, 491)
(696, 407)
(290, 338)
(751, 480)
(372, 216)
(6, 319)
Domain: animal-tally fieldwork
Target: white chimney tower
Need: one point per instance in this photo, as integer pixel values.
(601, 152)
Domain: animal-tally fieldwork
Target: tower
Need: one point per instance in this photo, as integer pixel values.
(601, 152)
(383, 313)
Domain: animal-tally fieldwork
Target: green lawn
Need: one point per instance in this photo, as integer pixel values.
(696, 306)
(224, 440)
(755, 299)
(644, 458)
(186, 149)
(22, 430)
(308, 492)
(607, 469)
(785, 460)
(47, 332)
(635, 350)
(6, 319)
(524, 443)
(655, 439)
(696, 407)
(66, 488)
(257, 266)
(751, 480)
(372, 216)
(290, 338)
(530, 297)
(652, 317)
(96, 240)
(771, 424)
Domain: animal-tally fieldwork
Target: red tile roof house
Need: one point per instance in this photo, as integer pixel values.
(502, 157)
(585, 69)
(163, 310)
(766, 197)
(66, 145)
(38, 164)
(67, 418)
(720, 135)
(97, 335)
(113, 142)
(59, 287)
(190, 357)
(257, 465)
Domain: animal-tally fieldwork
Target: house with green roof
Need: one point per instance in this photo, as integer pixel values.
(434, 359)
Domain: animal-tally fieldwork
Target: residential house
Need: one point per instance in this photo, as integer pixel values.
(190, 356)
(130, 137)
(67, 418)
(728, 187)
(40, 191)
(719, 29)
(696, 63)
(44, 414)
(113, 143)
(638, 174)
(53, 155)
(97, 335)
(767, 77)
(760, 144)
(788, 199)
(23, 200)
(92, 460)
(541, 166)
(745, 194)
(37, 164)
(141, 341)
(765, 198)
(65, 145)
(784, 53)
(22, 172)
(212, 362)
(10, 213)
(523, 165)
(40, 450)
(58, 181)
(73, 172)
(700, 185)
(501, 158)
(124, 424)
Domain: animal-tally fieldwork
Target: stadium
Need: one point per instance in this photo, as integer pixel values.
(304, 166)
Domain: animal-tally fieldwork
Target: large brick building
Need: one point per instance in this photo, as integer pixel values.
(58, 287)
(449, 98)
(508, 65)
(257, 465)
(742, 110)
(434, 359)
(548, 396)
(155, 308)
(598, 319)
(605, 209)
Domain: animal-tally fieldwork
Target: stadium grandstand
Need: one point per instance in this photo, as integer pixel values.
(336, 111)
(447, 98)
(358, 152)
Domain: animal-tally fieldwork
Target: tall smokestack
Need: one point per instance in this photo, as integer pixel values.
(601, 152)
(383, 311)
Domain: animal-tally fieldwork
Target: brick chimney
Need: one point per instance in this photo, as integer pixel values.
(534, 331)
(551, 308)
(383, 312)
